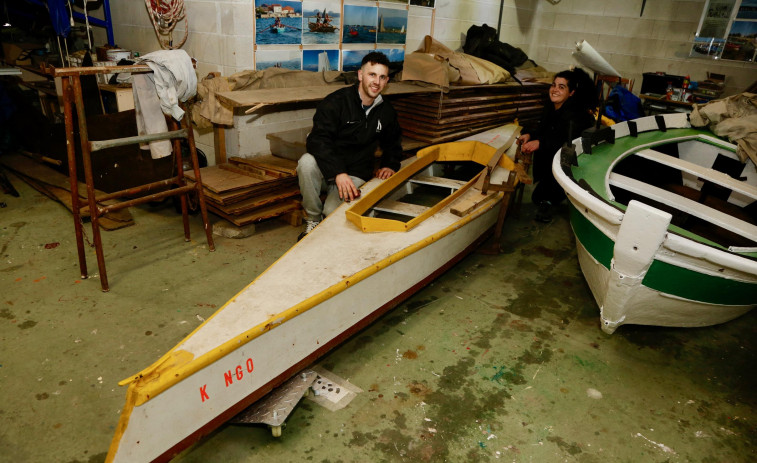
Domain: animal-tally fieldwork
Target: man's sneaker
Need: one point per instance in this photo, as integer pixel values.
(309, 226)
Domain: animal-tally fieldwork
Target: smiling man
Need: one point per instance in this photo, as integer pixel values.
(348, 126)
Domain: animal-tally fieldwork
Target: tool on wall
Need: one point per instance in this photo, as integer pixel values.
(165, 15)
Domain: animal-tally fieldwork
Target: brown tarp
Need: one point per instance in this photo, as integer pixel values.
(210, 110)
(734, 117)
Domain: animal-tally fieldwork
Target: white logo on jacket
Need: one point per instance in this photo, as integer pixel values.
(378, 127)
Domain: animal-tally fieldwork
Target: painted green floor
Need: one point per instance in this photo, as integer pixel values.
(500, 359)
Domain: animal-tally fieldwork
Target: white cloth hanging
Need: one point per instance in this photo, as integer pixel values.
(173, 80)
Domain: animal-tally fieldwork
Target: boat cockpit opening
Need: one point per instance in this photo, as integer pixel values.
(424, 190)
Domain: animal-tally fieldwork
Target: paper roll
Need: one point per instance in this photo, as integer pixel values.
(589, 57)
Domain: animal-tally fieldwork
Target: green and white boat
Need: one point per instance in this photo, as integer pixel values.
(665, 220)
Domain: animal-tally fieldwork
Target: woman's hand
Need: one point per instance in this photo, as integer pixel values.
(523, 138)
(529, 147)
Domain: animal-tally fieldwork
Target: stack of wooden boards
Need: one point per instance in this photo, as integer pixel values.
(248, 190)
(466, 110)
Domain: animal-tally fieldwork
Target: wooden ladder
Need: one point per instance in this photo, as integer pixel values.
(72, 96)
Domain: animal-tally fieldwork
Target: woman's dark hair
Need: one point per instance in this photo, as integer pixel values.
(585, 96)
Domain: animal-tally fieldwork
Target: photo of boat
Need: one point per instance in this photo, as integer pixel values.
(665, 220)
(361, 261)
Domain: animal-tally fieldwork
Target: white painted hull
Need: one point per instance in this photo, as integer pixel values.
(647, 306)
(333, 283)
(639, 238)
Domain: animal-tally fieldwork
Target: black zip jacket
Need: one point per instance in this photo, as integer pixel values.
(344, 139)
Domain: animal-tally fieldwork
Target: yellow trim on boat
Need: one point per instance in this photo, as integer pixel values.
(175, 366)
(458, 151)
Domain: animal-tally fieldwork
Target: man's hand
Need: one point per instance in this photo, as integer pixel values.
(384, 173)
(347, 189)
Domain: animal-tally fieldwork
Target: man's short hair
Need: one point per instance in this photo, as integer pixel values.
(375, 57)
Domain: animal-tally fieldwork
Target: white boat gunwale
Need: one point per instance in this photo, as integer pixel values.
(610, 210)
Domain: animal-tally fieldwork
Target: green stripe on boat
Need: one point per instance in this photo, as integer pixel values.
(664, 277)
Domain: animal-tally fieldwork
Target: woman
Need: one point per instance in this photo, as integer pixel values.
(572, 97)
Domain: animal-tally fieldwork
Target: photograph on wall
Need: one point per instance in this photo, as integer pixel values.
(747, 10)
(741, 42)
(392, 25)
(360, 24)
(287, 59)
(278, 23)
(424, 3)
(322, 21)
(351, 59)
(396, 57)
(320, 60)
(403, 2)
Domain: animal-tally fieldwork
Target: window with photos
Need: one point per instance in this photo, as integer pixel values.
(727, 30)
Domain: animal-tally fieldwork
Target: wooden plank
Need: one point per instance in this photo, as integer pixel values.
(261, 200)
(269, 162)
(56, 186)
(266, 96)
(467, 204)
(219, 180)
(711, 175)
(706, 213)
(232, 197)
(438, 181)
(400, 208)
(250, 171)
(432, 140)
(258, 214)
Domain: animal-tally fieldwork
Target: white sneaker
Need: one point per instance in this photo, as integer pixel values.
(309, 226)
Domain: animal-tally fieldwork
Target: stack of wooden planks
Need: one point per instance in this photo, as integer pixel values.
(248, 190)
(466, 110)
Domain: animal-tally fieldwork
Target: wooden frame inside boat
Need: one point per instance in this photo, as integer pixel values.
(422, 172)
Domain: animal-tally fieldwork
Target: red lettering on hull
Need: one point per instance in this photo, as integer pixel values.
(228, 377)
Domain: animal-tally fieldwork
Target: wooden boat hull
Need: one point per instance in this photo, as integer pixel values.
(274, 327)
(642, 270)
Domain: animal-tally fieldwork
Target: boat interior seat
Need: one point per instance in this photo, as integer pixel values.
(400, 208)
(701, 211)
(704, 173)
(442, 182)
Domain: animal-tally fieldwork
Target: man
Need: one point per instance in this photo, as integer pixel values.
(348, 126)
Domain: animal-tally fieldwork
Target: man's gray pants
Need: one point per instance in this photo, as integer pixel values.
(312, 184)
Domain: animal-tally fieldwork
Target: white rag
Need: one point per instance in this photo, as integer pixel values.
(173, 80)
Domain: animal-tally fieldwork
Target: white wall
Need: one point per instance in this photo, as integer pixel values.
(221, 39)
(659, 40)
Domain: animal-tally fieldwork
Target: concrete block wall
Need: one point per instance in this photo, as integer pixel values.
(658, 41)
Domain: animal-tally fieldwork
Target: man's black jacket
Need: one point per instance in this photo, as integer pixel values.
(344, 139)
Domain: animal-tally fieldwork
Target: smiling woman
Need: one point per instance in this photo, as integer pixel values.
(572, 97)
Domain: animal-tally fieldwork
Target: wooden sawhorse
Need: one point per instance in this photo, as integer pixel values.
(72, 96)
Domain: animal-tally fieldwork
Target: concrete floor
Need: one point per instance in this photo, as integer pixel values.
(500, 358)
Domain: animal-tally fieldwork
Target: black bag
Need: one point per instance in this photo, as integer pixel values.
(482, 42)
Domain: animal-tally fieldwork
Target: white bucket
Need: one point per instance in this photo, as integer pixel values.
(117, 54)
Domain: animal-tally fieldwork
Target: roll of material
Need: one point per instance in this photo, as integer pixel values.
(589, 57)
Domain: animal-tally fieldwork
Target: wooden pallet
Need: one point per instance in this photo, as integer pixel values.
(248, 190)
(463, 111)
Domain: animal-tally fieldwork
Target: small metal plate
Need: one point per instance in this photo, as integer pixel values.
(274, 408)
